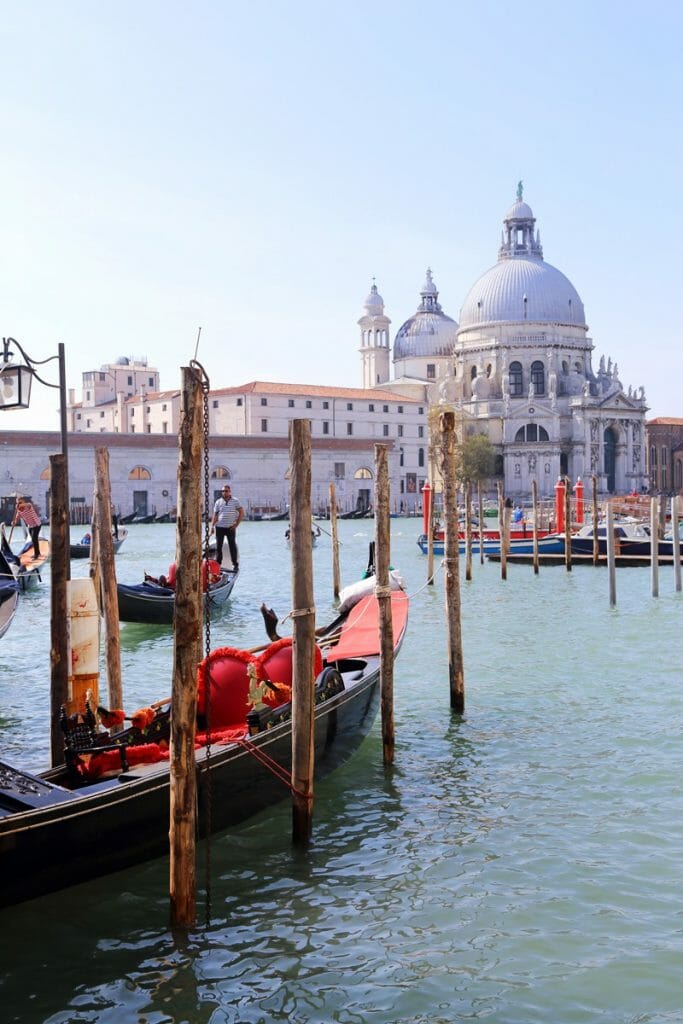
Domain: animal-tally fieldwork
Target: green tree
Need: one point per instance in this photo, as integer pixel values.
(476, 459)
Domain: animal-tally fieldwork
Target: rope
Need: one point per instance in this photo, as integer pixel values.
(297, 613)
(271, 765)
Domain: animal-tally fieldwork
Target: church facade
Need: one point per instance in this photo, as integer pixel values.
(518, 367)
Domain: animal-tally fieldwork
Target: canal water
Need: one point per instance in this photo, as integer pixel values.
(522, 863)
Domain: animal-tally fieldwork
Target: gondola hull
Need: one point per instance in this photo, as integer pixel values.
(154, 604)
(52, 837)
(83, 550)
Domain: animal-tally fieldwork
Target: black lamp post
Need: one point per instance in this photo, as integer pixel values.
(16, 377)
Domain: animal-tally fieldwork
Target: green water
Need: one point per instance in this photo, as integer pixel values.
(519, 864)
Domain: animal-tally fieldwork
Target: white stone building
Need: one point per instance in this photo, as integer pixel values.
(519, 369)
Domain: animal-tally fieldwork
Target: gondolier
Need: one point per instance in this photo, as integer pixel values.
(26, 512)
(227, 516)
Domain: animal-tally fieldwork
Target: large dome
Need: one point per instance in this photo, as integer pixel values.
(429, 332)
(522, 289)
(522, 286)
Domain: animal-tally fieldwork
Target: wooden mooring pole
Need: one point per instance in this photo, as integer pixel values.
(596, 519)
(187, 631)
(676, 543)
(611, 564)
(456, 676)
(107, 575)
(468, 531)
(534, 508)
(383, 594)
(303, 618)
(501, 533)
(334, 530)
(567, 524)
(59, 614)
(480, 505)
(654, 546)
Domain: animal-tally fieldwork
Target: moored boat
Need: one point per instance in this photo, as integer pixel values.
(82, 548)
(107, 806)
(9, 595)
(153, 600)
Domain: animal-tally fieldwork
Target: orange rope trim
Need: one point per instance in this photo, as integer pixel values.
(272, 766)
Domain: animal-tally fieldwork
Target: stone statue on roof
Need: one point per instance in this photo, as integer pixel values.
(520, 190)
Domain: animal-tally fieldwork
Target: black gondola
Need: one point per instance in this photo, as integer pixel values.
(60, 828)
(23, 564)
(153, 600)
(9, 595)
(82, 548)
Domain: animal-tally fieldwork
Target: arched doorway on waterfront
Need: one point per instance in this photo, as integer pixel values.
(610, 464)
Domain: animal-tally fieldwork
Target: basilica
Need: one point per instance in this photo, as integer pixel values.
(518, 368)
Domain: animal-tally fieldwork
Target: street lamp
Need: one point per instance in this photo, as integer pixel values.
(16, 377)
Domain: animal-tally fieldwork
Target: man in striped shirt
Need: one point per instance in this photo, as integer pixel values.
(26, 512)
(227, 516)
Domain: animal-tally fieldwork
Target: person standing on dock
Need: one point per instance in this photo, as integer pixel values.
(227, 516)
(27, 513)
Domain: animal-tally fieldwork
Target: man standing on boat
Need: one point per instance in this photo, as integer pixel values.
(227, 516)
(26, 512)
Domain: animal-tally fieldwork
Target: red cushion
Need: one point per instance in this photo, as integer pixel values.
(229, 680)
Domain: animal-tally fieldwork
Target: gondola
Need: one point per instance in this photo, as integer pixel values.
(82, 548)
(25, 566)
(9, 595)
(107, 806)
(153, 600)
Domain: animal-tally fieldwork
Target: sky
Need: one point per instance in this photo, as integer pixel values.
(251, 168)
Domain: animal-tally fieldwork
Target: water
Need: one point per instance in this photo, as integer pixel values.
(521, 864)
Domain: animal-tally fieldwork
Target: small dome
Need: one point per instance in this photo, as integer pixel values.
(429, 332)
(123, 361)
(374, 304)
(519, 211)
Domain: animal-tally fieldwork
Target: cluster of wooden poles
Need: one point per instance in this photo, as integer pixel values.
(564, 521)
(189, 618)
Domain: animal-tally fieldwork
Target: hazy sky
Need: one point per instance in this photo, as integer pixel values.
(249, 168)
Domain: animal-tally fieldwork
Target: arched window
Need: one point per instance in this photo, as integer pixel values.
(473, 372)
(538, 377)
(221, 473)
(531, 433)
(362, 474)
(516, 379)
(400, 457)
(420, 456)
(46, 474)
(139, 473)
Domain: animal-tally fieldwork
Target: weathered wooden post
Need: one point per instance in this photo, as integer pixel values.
(534, 507)
(480, 505)
(383, 594)
(59, 616)
(676, 543)
(468, 531)
(596, 519)
(611, 564)
(303, 617)
(336, 586)
(568, 525)
(187, 630)
(456, 675)
(107, 574)
(501, 533)
(654, 545)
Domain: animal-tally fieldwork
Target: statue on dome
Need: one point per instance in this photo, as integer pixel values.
(520, 190)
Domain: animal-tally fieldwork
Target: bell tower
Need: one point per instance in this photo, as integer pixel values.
(374, 340)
